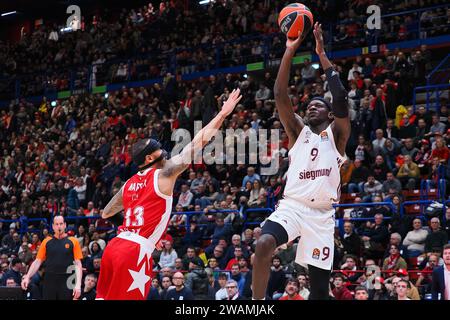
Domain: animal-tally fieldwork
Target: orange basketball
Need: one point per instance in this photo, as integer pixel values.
(295, 18)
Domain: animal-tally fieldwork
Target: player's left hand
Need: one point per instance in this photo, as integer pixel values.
(76, 293)
(318, 34)
(231, 102)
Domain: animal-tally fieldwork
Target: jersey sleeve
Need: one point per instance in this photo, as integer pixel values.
(42, 253)
(77, 255)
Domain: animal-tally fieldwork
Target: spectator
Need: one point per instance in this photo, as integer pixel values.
(394, 262)
(441, 152)
(340, 291)
(358, 178)
(348, 269)
(440, 282)
(415, 239)
(251, 176)
(408, 174)
(302, 289)
(237, 255)
(424, 280)
(237, 276)
(395, 239)
(277, 278)
(376, 238)
(361, 293)
(179, 292)
(193, 236)
(402, 289)
(166, 284)
(168, 256)
(391, 183)
(379, 169)
(232, 290)
(190, 257)
(257, 195)
(378, 143)
(263, 93)
(14, 272)
(436, 240)
(351, 241)
(197, 280)
(308, 72)
(437, 127)
(291, 290)
(221, 293)
(88, 292)
(220, 231)
(412, 292)
(186, 196)
(371, 188)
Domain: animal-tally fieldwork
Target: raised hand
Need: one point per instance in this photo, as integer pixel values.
(293, 44)
(231, 102)
(318, 34)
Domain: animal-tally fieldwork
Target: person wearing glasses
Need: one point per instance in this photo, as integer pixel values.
(232, 291)
(180, 292)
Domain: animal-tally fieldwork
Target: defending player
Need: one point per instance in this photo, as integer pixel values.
(317, 151)
(146, 199)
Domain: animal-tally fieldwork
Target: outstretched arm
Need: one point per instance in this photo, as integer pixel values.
(177, 164)
(114, 206)
(341, 123)
(292, 123)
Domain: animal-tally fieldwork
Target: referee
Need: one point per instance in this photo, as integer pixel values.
(59, 252)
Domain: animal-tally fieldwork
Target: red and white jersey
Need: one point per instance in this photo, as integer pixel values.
(147, 209)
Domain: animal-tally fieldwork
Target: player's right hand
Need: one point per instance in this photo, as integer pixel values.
(293, 44)
(25, 282)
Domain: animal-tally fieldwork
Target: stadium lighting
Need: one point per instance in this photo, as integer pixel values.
(204, 2)
(8, 13)
(53, 104)
(245, 76)
(106, 95)
(315, 66)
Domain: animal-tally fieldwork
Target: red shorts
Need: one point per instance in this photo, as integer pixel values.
(122, 276)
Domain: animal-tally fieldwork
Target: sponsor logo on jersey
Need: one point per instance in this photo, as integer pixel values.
(313, 174)
(136, 186)
(323, 136)
(316, 253)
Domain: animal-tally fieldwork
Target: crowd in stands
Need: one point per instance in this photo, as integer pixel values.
(70, 159)
(148, 42)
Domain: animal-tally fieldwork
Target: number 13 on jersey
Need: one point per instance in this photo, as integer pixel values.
(135, 218)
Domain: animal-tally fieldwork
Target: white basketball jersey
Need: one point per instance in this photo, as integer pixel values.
(313, 177)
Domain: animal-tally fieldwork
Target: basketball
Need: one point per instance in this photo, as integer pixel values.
(295, 18)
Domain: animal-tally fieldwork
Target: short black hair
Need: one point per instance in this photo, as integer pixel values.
(292, 279)
(16, 261)
(361, 288)
(339, 275)
(223, 275)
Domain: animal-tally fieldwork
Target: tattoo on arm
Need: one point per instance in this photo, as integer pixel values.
(114, 206)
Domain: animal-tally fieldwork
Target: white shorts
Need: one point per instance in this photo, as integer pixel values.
(314, 226)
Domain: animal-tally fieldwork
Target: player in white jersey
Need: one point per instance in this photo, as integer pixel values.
(316, 153)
